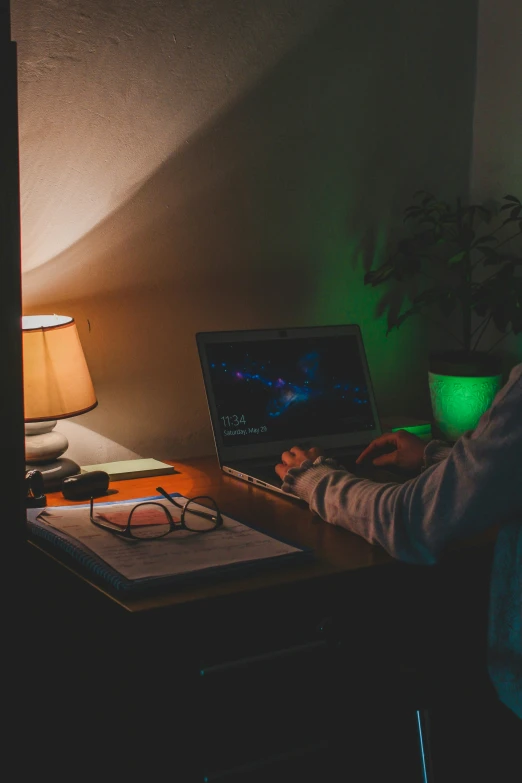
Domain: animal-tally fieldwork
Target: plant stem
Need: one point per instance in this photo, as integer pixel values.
(484, 326)
(466, 288)
(498, 341)
(476, 329)
(508, 239)
(496, 246)
(443, 328)
(490, 276)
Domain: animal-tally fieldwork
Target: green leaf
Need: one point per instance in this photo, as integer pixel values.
(501, 318)
(431, 296)
(457, 258)
(413, 213)
(501, 297)
(486, 213)
(434, 223)
(491, 256)
(440, 207)
(377, 276)
(402, 318)
(514, 217)
(481, 309)
(505, 272)
(484, 240)
(515, 310)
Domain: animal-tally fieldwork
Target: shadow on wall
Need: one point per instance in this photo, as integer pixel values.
(246, 226)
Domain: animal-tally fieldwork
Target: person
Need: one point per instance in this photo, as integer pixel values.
(453, 492)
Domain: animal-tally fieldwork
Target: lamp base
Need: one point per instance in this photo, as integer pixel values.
(53, 473)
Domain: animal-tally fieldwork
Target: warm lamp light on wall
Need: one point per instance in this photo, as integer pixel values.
(57, 385)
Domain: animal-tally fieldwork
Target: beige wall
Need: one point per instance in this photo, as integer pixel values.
(187, 167)
(497, 124)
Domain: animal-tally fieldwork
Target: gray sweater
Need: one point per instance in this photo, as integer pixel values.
(463, 490)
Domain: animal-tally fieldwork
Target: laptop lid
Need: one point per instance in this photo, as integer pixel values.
(270, 389)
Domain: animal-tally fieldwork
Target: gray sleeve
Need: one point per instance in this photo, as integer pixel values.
(476, 486)
(435, 451)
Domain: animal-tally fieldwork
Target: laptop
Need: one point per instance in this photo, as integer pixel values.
(271, 389)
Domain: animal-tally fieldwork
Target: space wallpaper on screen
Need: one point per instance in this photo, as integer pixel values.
(288, 389)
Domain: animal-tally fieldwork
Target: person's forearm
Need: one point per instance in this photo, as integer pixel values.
(380, 513)
(476, 487)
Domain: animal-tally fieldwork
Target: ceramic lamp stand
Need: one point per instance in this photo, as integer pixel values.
(43, 449)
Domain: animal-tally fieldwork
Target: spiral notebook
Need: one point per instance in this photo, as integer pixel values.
(180, 557)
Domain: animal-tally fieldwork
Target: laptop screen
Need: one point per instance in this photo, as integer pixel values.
(301, 388)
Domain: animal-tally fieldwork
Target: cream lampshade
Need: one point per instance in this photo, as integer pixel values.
(57, 385)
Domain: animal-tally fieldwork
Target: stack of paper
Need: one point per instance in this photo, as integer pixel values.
(131, 468)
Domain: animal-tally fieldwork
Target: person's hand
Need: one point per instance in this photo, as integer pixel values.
(294, 457)
(398, 449)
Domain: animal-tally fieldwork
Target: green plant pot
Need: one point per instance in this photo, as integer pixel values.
(461, 389)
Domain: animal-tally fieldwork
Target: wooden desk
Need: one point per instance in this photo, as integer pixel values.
(337, 551)
(257, 659)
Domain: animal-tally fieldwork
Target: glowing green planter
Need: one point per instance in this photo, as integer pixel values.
(460, 393)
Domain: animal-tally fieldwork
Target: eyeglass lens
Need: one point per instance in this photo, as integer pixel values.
(151, 520)
(201, 517)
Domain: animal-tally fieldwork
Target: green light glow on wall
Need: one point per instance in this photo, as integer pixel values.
(459, 402)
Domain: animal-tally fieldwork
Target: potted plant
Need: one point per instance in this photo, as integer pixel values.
(460, 260)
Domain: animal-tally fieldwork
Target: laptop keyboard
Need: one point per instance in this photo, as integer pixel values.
(267, 473)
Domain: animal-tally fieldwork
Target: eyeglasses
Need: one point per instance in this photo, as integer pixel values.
(151, 520)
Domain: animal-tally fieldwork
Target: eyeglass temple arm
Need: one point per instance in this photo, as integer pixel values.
(168, 497)
(204, 514)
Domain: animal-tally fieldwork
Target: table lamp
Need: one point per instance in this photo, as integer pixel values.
(57, 385)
